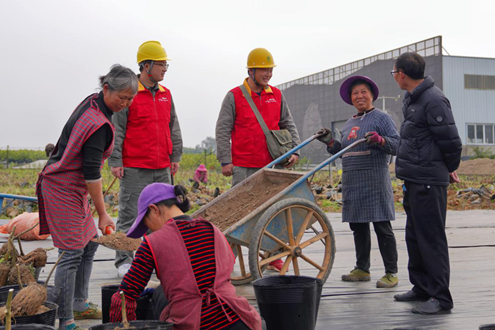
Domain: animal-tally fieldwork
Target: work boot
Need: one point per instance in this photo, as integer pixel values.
(432, 306)
(71, 326)
(91, 312)
(356, 275)
(389, 280)
(409, 296)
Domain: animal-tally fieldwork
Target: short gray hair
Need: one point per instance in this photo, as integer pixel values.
(119, 79)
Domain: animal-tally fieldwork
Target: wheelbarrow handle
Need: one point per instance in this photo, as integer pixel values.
(331, 159)
(290, 152)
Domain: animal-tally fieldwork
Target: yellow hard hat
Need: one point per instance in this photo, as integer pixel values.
(153, 51)
(260, 58)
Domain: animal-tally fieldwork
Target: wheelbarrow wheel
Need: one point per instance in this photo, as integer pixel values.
(281, 230)
(244, 277)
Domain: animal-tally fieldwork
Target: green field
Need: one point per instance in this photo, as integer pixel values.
(23, 182)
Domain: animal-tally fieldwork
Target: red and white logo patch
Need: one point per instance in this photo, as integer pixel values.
(353, 133)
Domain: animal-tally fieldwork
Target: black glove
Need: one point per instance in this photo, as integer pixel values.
(326, 136)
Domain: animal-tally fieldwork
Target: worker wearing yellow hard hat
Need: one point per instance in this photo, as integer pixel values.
(237, 122)
(259, 58)
(148, 140)
(149, 53)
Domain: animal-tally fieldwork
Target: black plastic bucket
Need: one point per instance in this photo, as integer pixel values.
(289, 302)
(46, 318)
(52, 292)
(487, 326)
(30, 327)
(137, 325)
(144, 309)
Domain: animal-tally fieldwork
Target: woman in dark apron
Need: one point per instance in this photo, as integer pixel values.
(366, 184)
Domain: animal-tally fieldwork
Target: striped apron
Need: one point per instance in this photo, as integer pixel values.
(61, 189)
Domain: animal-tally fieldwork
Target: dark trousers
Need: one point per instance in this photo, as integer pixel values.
(159, 301)
(429, 269)
(386, 244)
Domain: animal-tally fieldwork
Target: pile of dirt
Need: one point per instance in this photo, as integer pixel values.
(479, 166)
(119, 241)
(228, 212)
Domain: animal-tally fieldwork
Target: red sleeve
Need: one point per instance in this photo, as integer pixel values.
(116, 308)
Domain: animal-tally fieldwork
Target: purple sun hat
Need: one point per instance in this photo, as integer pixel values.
(152, 194)
(345, 92)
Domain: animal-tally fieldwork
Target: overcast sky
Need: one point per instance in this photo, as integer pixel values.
(52, 52)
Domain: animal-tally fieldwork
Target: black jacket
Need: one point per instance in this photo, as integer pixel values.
(430, 147)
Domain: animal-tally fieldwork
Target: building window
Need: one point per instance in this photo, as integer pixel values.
(480, 133)
(480, 82)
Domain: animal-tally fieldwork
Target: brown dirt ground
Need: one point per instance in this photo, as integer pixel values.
(223, 215)
(475, 172)
(119, 241)
(480, 166)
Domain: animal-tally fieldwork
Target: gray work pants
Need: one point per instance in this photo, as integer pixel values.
(72, 277)
(241, 173)
(131, 185)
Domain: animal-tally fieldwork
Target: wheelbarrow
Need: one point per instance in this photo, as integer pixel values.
(273, 214)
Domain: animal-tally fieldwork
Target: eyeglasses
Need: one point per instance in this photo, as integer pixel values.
(394, 71)
(164, 65)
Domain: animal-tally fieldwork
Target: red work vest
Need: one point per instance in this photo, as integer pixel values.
(249, 148)
(147, 142)
(176, 276)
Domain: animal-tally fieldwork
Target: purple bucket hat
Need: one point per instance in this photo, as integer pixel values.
(152, 194)
(345, 92)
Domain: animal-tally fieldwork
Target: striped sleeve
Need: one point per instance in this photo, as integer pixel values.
(116, 308)
(133, 282)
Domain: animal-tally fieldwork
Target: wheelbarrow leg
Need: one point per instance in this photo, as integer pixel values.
(241, 260)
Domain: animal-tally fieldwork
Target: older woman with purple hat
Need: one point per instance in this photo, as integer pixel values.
(366, 185)
(193, 262)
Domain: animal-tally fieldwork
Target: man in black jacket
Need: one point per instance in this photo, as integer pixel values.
(429, 152)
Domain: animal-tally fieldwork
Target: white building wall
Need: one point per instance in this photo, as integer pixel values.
(469, 106)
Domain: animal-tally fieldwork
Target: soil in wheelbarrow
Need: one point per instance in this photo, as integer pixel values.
(119, 241)
(225, 214)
